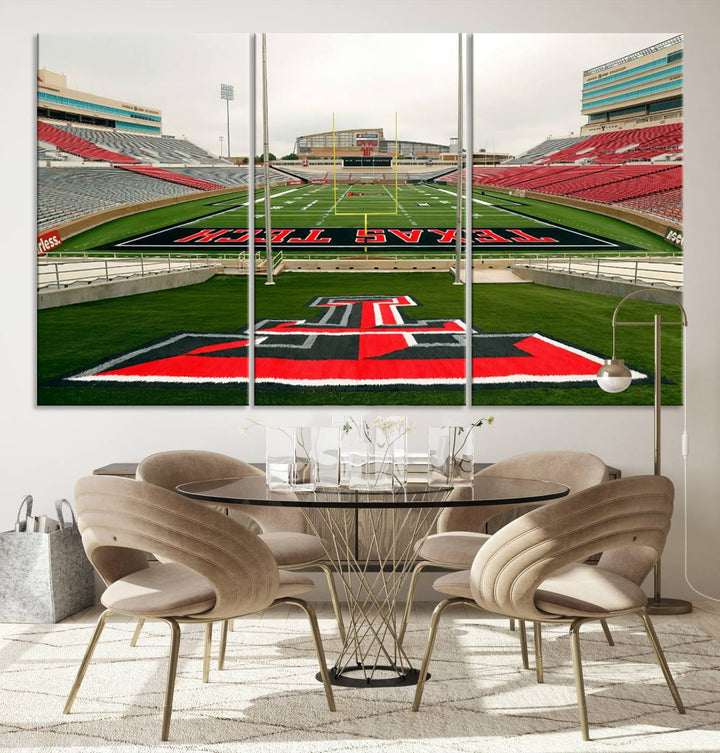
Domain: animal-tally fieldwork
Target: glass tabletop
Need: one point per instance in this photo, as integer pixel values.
(485, 490)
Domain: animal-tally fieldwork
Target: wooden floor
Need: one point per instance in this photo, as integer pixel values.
(705, 614)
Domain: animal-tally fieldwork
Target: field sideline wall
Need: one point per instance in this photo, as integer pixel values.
(102, 291)
(73, 227)
(594, 285)
(653, 224)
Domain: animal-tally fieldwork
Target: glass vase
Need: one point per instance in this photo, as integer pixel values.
(326, 455)
(279, 457)
(391, 450)
(450, 455)
(303, 476)
(356, 436)
(373, 454)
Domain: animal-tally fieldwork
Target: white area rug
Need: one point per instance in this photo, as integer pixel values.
(479, 699)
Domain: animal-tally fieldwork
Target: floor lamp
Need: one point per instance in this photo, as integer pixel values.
(614, 376)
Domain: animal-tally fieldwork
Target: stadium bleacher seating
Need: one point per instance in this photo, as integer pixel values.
(637, 168)
(69, 142)
(633, 186)
(635, 144)
(143, 148)
(548, 147)
(172, 177)
(667, 204)
(634, 168)
(594, 182)
(229, 176)
(65, 193)
(655, 189)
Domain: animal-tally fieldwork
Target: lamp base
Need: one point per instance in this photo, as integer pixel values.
(668, 606)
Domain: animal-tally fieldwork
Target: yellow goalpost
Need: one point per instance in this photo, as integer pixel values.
(365, 214)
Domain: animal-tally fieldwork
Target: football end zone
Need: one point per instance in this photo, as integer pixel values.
(514, 240)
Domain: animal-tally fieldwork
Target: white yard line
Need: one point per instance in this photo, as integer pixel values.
(332, 208)
(400, 207)
(213, 214)
(544, 222)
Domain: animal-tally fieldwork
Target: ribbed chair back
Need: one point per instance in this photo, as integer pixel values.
(620, 516)
(169, 469)
(120, 519)
(578, 470)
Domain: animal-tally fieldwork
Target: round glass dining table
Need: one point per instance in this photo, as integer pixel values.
(371, 537)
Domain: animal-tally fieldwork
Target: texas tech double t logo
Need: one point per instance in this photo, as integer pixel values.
(350, 341)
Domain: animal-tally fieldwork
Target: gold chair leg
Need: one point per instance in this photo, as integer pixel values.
(136, 634)
(333, 597)
(579, 682)
(652, 636)
(223, 644)
(89, 651)
(319, 650)
(419, 567)
(523, 645)
(172, 674)
(208, 644)
(434, 623)
(608, 634)
(512, 623)
(231, 625)
(537, 635)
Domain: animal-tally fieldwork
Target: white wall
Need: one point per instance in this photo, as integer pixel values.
(44, 450)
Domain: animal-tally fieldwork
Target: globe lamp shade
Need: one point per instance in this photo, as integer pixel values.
(614, 375)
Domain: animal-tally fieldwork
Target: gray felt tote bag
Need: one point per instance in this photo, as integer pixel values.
(44, 577)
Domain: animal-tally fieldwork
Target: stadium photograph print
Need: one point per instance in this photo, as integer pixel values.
(136, 140)
(413, 225)
(576, 203)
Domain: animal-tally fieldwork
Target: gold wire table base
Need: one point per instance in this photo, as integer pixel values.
(372, 654)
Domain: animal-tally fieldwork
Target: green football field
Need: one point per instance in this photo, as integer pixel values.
(359, 206)
(71, 338)
(74, 340)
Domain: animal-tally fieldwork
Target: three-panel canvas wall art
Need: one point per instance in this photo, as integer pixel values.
(422, 219)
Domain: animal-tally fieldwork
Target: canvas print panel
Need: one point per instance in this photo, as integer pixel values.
(577, 202)
(138, 137)
(360, 307)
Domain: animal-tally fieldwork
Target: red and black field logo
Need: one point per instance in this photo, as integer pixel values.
(353, 341)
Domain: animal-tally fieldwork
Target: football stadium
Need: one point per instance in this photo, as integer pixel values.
(151, 251)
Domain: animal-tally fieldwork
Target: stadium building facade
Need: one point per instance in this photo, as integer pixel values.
(413, 148)
(358, 142)
(348, 142)
(641, 89)
(56, 102)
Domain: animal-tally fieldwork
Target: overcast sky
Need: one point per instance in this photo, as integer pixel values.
(526, 86)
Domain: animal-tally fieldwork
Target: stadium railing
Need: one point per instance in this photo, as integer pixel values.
(638, 271)
(53, 274)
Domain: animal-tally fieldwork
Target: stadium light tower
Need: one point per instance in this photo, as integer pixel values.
(227, 92)
(221, 138)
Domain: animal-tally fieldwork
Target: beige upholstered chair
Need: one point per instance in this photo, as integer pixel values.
(212, 567)
(283, 529)
(534, 568)
(461, 529)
